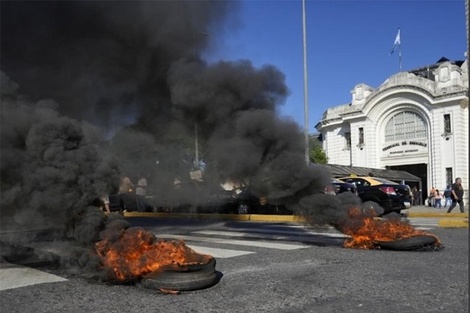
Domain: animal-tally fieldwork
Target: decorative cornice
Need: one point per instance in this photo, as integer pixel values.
(402, 87)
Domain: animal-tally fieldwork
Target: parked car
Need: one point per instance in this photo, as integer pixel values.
(248, 203)
(193, 196)
(392, 197)
(338, 186)
(127, 202)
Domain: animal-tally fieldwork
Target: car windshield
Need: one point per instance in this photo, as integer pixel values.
(384, 181)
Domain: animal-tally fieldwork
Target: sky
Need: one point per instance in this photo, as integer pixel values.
(348, 43)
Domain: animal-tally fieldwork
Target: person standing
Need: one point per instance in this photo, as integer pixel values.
(125, 188)
(105, 204)
(447, 196)
(415, 193)
(432, 194)
(125, 185)
(141, 192)
(457, 195)
(437, 199)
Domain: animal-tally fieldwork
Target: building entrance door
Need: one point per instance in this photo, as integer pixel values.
(419, 170)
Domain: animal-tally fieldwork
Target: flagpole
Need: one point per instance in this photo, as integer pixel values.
(399, 55)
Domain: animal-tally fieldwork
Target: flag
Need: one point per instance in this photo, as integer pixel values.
(397, 42)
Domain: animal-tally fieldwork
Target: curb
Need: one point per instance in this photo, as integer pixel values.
(446, 220)
(453, 223)
(436, 214)
(236, 217)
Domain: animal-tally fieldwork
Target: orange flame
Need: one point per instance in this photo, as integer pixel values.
(137, 252)
(366, 231)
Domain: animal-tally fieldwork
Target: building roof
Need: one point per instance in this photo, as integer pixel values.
(427, 71)
(394, 175)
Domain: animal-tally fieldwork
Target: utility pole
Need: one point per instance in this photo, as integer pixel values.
(196, 146)
(307, 157)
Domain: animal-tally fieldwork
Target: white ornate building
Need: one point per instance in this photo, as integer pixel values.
(416, 121)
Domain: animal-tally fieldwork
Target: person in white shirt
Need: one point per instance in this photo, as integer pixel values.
(141, 192)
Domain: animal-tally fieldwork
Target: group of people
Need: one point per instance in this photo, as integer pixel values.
(453, 194)
(125, 187)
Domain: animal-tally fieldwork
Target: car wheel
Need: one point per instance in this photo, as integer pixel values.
(370, 206)
(242, 208)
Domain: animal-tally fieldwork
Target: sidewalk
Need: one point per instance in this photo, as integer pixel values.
(455, 219)
(424, 210)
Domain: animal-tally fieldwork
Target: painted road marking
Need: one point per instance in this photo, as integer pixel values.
(267, 234)
(16, 276)
(219, 253)
(248, 243)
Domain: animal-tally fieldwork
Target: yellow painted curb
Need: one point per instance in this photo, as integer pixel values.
(455, 220)
(188, 215)
(437, 214)
(275, 218)
(236, 217)
(453, 223)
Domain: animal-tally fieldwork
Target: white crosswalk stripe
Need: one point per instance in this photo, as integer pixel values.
(15, 276)
(424, 223)
(269, 234)
(248, 243)
(219, 253)
(283, 237)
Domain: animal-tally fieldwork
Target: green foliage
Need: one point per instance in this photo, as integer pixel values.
(316, 154)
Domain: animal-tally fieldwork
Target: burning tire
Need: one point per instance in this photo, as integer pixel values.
(198, 276)
(412, 243)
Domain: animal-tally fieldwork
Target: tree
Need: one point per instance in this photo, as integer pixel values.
(316, 154)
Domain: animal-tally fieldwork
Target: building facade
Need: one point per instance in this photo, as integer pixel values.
(416, 121)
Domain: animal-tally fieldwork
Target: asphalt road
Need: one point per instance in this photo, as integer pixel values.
(273, 267)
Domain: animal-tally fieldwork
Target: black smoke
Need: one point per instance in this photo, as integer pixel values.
(94, 89)
(51, 166)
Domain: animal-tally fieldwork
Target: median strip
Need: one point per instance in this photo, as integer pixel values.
(437, 214)
(446, 220)
(237, 217)
(453, 223)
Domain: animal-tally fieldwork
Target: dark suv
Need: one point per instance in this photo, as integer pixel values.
(392, 197)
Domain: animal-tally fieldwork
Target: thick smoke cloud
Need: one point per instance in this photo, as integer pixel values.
(105, 66)
(50, 170)
(94, 89)
(103, 61)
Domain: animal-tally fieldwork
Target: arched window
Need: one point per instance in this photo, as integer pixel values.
(405, 126)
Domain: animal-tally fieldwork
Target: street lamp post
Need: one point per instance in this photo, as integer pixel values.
(196, 146)
(307, 157)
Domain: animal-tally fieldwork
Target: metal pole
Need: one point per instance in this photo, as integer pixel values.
(307, 157)
(196, 144)
(399, 55)
(467, 57)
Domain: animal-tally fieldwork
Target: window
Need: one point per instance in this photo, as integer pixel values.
(405, 126)
(447, 126)
(361, 182)
(347, 137)
(361, 135)
(449, 178)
